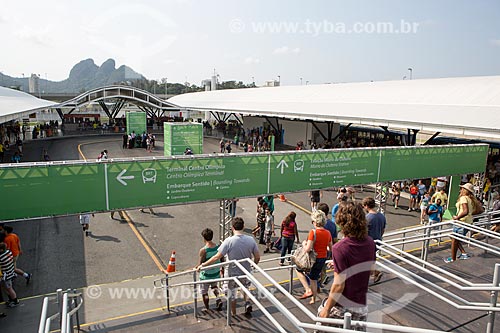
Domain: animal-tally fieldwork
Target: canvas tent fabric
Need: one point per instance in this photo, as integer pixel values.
(459, 106)
(16, 104)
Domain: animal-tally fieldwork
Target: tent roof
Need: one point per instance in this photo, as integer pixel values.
(460, 106)
(16, 104)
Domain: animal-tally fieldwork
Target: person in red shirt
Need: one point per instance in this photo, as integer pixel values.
(320, 240)
(14, 245)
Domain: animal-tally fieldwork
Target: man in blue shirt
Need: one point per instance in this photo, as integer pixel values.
(376, 227)
(435, 212)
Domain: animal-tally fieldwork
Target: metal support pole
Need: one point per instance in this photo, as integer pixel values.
(493, 300)
(425, 247)
(290, 285)
(59, 296)
(63, 314)
(195, 295)
(347, 320)
(45, 306)
(167, 292)
(228, 305)
(404, 241)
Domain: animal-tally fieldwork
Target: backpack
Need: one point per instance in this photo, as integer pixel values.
(302, 259)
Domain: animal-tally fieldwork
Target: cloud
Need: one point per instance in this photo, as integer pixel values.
(252, 60)
(495, 42)
(40, 36)
(286, 50)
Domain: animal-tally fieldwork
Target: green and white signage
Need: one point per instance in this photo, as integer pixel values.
(136, 122)
(73, 187)
(179, 136)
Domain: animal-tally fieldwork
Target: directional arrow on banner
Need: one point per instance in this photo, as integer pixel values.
(282, 164)
(121, 177)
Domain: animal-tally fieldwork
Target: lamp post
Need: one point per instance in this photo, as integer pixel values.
(253, 81)
(411, 72)
(300, 81)
(404, 77)
(307, 82)
(279, 80)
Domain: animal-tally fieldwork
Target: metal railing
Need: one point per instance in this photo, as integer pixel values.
(69, 303)
(315, 322)
(425, 234)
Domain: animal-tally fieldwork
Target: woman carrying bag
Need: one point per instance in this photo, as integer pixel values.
(318, 240)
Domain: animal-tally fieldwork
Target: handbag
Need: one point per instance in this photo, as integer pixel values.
(303, 260)
(478, 207)
(277, 244)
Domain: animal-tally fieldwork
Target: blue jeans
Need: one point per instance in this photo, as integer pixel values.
(286, 246)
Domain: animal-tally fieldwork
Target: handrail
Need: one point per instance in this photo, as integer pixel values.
(290, 316)
(65, 316)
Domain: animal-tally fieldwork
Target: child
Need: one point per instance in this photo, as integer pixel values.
(269, 229)
(207, 252)
(424, 203)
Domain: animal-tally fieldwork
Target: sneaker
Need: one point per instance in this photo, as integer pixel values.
(87, 233)
(28, 278)
(395, 207)
(409, 209)
(464, 256)
(12, 304)
(448, 260)
(218, 304)
(248, 308)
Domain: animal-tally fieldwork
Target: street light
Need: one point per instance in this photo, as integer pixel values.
(307, 82)
(279, 79)
(411, 72)
(253, 81)
(300, 81)
(404, 77)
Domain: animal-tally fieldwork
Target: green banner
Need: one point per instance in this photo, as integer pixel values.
(136, 122)
(179, 136)
(36, 190)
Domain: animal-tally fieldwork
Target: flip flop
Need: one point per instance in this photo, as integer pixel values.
(306, 295)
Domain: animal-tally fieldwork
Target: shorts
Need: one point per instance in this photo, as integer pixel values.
(8, 283)
(460, 230)
(317, 268)
(396, 196)
(268, 236)
(204, 287)
(315, 198)
(413, 196)
(233, 286)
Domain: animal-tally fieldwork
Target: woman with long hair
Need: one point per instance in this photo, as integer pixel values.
(353, 258)
(465, 207)
(288, 234)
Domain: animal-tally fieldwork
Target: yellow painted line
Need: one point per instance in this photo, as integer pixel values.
(143, 242)
(129, 220)
(299, 207)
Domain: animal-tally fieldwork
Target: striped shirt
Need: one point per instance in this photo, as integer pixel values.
(7, 265)
(288, 232)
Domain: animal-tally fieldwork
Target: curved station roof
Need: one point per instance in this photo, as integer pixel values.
(460, 106)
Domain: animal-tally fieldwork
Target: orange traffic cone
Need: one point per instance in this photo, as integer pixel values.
(171, 263)
(282, 197)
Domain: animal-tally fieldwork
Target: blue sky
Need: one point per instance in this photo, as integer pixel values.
(182, 39)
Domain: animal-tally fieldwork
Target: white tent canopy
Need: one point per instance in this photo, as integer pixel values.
(16, 104)
(460, 106)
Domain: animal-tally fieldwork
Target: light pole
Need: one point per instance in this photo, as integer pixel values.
(253, 81)
(411, 72)
(404, 77)
(279, 80)
(300, 81)
(307, 82)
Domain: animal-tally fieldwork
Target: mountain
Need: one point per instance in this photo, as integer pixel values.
(83, 76)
